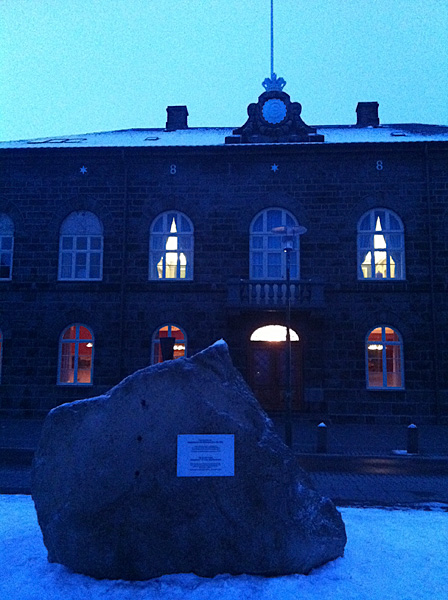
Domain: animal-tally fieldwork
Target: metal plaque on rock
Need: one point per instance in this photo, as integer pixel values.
(200, 455)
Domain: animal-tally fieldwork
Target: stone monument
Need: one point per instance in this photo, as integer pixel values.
(177, 469)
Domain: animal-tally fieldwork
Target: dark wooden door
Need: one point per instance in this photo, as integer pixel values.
(267, 369)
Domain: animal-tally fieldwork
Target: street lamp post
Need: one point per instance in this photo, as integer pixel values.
(288, 234)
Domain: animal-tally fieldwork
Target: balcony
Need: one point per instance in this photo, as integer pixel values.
(268, 294)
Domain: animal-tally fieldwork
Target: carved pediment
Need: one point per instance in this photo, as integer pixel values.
(274, 118)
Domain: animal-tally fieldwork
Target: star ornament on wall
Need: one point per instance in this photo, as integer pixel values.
(83, 170)
(274, 168)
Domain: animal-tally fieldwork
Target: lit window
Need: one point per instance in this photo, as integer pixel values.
(168, 342)
(81, 247)
(273, 333)
(267, 257)
(6, 246)
(171, 247)
(384, 359)
(380, 246)
(76, 356)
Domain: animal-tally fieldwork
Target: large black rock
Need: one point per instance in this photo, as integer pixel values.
(110, 504)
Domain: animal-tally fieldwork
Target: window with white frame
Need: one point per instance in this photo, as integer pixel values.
(6, 246)
(168, 342)
(171, 247)
(81, 247)
(76, 356)
(267, 257)
(384, 358)
(380, 246)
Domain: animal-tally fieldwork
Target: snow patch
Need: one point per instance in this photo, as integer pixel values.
(390, 555)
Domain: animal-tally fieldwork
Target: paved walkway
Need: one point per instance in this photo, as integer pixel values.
(363, 464)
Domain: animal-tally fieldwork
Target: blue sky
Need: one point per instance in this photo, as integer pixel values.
(78, 66)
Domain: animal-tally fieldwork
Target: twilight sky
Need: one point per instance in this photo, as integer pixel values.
(79, 66)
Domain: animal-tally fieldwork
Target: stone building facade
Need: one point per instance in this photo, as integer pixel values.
(112, 242)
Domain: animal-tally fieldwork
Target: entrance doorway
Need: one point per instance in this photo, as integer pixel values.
(267, 367)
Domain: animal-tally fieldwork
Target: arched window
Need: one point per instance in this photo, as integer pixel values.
(171, 247)
(168, 342)
(380, 246)
(81, 247)
(267, 257)
(384, 358)
(6, 246)
(76, 356)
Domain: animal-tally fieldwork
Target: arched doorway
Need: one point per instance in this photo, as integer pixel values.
(267, 367)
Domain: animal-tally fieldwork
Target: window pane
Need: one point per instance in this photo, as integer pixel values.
(394, 224)
(81, 243)
(84, 362)
(379, 214)
(66, 272)
(94, 272)
(5, 272)
(5, 259)
(67, 362)
(391, 335)
(274, 259)
(70, 333)
(274, 242)
(257, 242)
(375, 335)
(184, 242)
(290, 221)
(84, 333)
(274, 219)
(365, 241)
(395, 240)
(256, 272)
(95, 260)
(66, 258)
(5, 242)
(95, 243)
(274, 265)
(393, 366)
(365, 224)
(67, 243)
(185, 226)
(157, 242)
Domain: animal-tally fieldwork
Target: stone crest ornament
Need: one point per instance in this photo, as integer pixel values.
(274, 111)
(274, 83)
(274, 118)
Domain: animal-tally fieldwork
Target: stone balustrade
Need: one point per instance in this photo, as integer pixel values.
(272, 294)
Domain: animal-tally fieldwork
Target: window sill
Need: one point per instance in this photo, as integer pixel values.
(385, 389)
(75, 384)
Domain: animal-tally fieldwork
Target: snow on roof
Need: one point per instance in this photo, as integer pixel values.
(215, 136)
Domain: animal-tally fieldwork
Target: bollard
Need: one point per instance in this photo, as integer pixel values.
(412, 439)
(322, 438)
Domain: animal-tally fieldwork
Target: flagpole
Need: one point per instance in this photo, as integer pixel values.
(272, 37)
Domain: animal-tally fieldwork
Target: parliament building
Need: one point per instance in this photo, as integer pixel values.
(125, 248)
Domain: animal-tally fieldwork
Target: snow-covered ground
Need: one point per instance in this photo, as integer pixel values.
(390, 555)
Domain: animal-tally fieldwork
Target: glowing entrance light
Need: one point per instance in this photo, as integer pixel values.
(273, 333)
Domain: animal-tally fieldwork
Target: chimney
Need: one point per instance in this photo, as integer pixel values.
(176, 118)
(367, 114)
